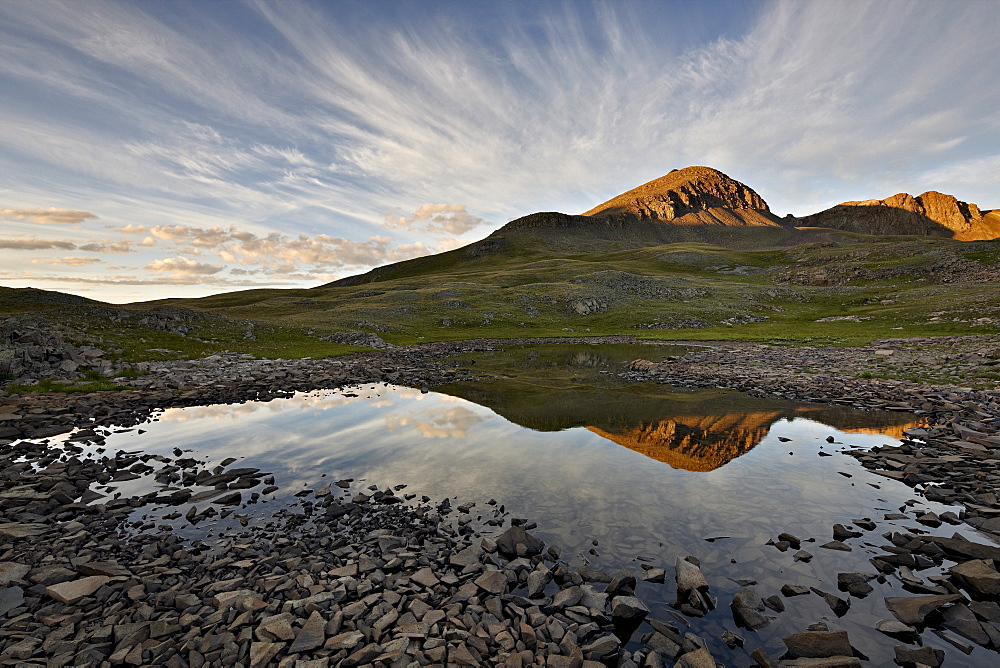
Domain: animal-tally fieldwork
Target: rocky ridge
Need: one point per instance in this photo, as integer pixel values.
(691, 196)
(931, 213)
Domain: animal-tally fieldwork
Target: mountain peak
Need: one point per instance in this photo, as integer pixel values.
(930, 213)
(691, 196)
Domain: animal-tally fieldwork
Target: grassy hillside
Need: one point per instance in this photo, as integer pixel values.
(845, 289)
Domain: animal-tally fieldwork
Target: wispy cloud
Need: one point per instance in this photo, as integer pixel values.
(67, 261)
(36, 244)
(313, 121)
(45, 216)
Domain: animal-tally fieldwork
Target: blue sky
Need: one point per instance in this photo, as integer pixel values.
(152, 149)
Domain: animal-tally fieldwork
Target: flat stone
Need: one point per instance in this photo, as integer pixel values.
(836, 545)
(893, 627)
(914, 609)
(788, 590)
(11, 571)
(699, 658)
(818, 644)
(495, 582)
(346, 640)
(567, 597)
(108, 568)
(10, 598)
(856, 583)
(74, 590)
(15, 530)
(311, 635)
(261, 653)
(912, 656)
(839, 605)
(425, 577)
(689, 577)
(628, 607)
(228, 599)
(979, 575)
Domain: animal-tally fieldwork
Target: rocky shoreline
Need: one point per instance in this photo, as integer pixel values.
(362, 575)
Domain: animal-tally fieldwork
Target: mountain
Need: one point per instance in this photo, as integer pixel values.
(691, 196)
(930, 214)
(693, 205)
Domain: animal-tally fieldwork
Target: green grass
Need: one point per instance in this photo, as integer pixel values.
(525, 290)
(47, 385)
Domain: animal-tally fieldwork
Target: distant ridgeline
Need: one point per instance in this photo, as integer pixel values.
(703, 204)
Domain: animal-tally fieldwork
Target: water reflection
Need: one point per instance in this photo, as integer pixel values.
(559, 387)
(547, 441)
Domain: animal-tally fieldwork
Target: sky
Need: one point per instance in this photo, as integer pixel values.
(180, 149)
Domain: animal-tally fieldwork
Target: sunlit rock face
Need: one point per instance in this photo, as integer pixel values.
(691, 196)
(696, 442)
(932, 213)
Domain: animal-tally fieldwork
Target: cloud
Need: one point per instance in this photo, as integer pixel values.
(170, 232)
(45, 216)
(106, 246)
(451, 422)
(133, 229)
(436, 218)
(36, 244)
(68, 261)
(183, 265)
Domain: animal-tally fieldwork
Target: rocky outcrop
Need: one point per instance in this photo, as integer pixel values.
(691, 196)
(929, 214)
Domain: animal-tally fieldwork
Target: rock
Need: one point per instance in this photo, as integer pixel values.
(689, 577)
(567, 597)
(10, 598)
(261, 653)
(838, 605)
(311, 635)
(494, 582)
(856, 583)
(841, 533)
(537, 580)
(914, 609)
(107, 568)
(836, 545)
(961, 620)
(508, 542)
(802, 555)
(893, 627)
(346, 640)
(12, 572)
(628, 608)
(699, 658)
(747, 609)
(788, 590)
(602, 648)
(818, 644)
(732, 640)
(979, 575)
(924, 656)
(75, 590)
(425, 577)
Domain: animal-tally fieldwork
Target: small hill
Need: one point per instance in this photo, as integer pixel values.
(691, 196)
(929, 214)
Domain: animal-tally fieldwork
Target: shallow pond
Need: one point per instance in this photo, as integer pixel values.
(619, 475)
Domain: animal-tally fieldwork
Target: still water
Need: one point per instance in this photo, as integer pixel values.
(617, 474)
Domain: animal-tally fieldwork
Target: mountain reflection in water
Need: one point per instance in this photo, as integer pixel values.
(560, 387)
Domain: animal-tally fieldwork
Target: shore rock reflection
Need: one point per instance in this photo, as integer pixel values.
(561, 387)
